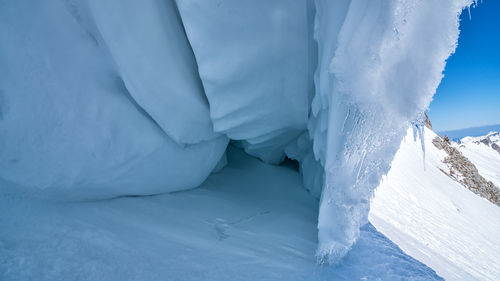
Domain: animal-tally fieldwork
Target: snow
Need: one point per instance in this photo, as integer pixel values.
(471, 132)
(387, 64)
(70, 127)
(256, 62)
(434, 218)
(483, 156)
(146, 41)
(105, 99)
(236, 226)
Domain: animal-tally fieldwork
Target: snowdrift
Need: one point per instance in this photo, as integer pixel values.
(103, 99)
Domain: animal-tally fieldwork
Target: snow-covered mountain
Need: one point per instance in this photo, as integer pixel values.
(484, 152)
(437, 209)
(471, 132)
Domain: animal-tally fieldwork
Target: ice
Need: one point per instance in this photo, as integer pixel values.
(310, 169)
(256, 61)
(387, 64)
(146, 41)
(70, 128)
(103, 99)
(418, 127)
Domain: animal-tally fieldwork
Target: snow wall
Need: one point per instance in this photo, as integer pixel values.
(109, 98)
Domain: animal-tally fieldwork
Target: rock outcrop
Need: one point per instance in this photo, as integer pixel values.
(463, 171)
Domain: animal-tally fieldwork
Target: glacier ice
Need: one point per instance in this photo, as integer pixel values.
(70, 122)
(146, 41)
(256, 60)
(101, 99)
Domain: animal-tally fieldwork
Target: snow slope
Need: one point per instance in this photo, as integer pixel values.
(482, 153)
(236, 226)
(435, 219)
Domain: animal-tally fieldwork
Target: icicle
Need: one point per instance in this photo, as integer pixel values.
(422, 141)
(473, 4)
(419, 128)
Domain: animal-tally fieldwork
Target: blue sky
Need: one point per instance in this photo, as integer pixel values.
(469, 94)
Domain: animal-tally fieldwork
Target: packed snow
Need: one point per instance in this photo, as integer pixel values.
(235, 226)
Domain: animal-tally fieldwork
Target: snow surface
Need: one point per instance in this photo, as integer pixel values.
(435, 219)
(483, 156)
(236, 226)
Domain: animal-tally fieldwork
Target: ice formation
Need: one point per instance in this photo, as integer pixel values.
(256, 60)
(86, 114)
(101, 99)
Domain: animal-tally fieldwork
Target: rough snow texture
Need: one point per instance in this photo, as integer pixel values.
(387, 64)
(433, 218)
(102, 99)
